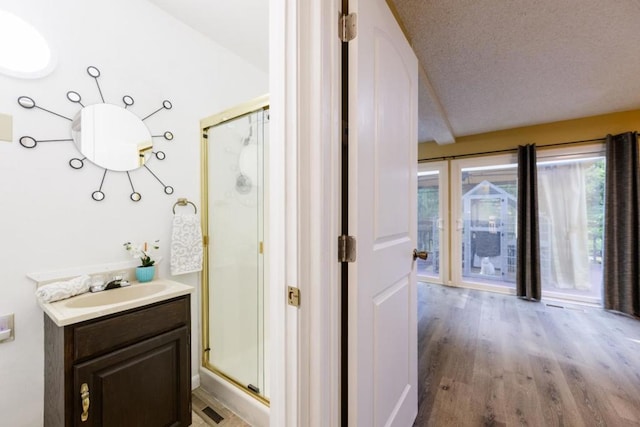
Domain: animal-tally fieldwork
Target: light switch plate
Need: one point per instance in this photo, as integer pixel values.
(6, 128)
(6, 324)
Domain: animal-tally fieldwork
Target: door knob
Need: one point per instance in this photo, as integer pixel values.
(421, 254)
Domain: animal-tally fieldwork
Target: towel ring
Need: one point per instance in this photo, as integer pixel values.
(184, 202)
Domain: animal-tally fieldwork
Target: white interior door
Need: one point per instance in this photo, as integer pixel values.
(382, 349)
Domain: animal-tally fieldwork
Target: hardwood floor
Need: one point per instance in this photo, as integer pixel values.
(487, 359)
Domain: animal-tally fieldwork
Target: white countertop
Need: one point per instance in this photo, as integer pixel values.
(93, 305)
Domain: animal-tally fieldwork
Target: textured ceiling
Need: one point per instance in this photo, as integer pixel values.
(486, 65)
(498, 64)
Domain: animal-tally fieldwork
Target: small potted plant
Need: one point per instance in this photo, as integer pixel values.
(147, 269)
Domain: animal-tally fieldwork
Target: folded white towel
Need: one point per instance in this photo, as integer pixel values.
(186, 244)
(61, 290)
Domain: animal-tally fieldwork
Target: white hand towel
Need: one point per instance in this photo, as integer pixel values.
(186, 244)
(61, 290)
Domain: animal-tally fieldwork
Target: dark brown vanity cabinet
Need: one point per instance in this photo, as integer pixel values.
(128, 369)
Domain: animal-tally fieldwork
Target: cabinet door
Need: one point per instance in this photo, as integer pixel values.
(146, 384)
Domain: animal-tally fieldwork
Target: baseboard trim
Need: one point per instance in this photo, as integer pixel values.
(195, 381)
(240, 403)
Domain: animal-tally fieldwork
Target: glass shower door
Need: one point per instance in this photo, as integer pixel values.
(235, 270)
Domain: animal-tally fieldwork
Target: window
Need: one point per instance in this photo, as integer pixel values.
(571, 215)
(483, 197)
(485, 207)
(432, 200)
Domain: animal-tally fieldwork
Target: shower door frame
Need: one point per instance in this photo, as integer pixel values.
(255, 105)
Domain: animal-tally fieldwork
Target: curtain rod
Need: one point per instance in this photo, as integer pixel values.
(508, 150)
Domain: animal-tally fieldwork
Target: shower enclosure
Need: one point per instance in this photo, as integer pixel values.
(234, 309)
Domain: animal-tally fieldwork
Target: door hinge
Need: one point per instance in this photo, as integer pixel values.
(346, 248)
(293, 296)
(348, 27)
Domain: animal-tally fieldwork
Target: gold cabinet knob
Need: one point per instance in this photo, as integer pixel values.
(84, 395)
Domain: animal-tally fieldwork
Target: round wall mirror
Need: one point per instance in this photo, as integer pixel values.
(107, 135)
(111, 137)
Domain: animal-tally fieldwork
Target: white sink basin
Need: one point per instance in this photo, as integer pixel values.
(92, 305)
(115, 296)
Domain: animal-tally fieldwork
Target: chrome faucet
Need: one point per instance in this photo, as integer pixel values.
(116, 282)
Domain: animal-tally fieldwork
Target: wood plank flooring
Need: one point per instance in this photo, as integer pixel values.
(487, 359)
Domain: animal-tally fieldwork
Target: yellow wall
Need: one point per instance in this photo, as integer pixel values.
(6, 131)
(541, 135)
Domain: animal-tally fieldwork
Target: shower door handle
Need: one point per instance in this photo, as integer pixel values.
(422, 254)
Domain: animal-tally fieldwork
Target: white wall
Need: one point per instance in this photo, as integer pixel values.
(48, 220)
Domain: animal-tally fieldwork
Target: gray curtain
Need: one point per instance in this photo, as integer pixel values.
(528, 266)
(622, 236)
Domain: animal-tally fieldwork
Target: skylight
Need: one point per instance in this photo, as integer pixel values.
(24, 52)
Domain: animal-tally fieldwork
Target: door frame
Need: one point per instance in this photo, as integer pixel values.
(305, 91)
(306, 103)
(284, 334)
(319, 170)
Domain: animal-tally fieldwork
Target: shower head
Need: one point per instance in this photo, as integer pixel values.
(243, 184)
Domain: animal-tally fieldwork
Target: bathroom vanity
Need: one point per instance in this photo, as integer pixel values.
(126, 363)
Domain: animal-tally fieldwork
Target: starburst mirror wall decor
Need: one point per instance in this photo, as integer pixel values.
(107, 135)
